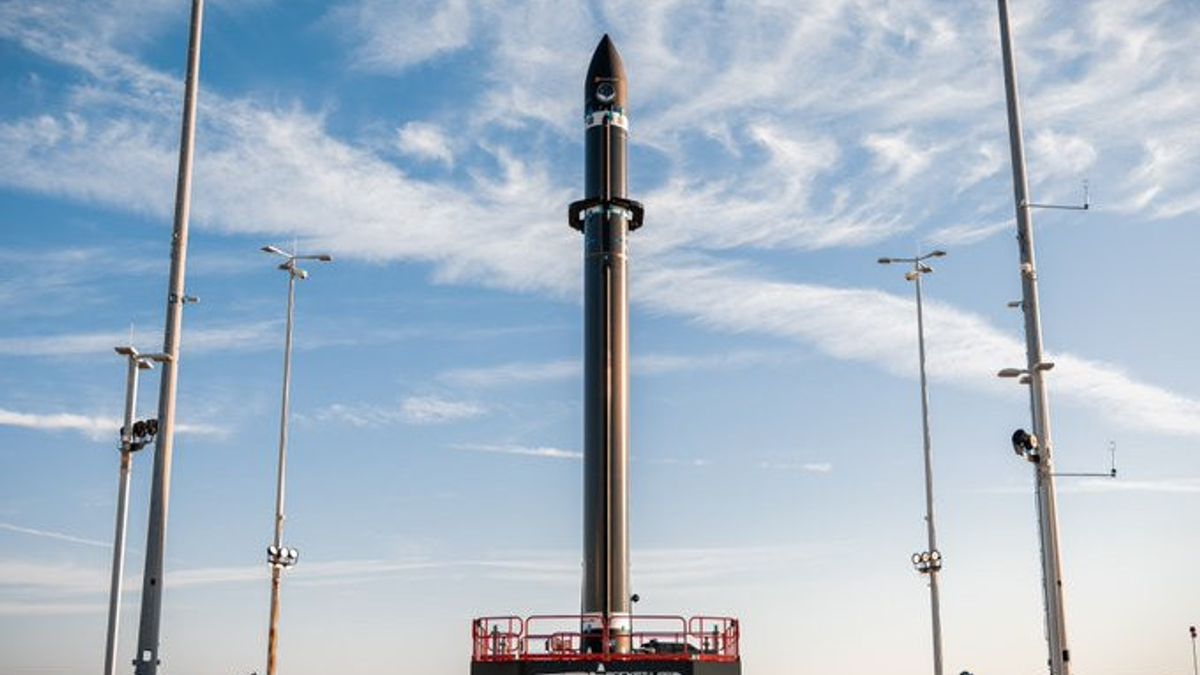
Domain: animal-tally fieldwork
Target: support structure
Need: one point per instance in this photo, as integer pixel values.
(928, 562)
(133, 437)
(146, 661)
(1052, 583)
(280, 557)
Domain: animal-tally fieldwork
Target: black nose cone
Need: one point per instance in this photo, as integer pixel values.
(605, 85)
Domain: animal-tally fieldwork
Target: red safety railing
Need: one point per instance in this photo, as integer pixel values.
(560, 637)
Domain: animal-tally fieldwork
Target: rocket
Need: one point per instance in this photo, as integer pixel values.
(606, 216)
(604, 637)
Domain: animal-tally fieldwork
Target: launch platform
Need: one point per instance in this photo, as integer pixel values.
(558, 645)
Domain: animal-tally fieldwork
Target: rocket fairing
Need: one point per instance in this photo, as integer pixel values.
(606, 216)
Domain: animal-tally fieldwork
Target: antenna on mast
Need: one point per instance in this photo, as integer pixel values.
(1112, 466)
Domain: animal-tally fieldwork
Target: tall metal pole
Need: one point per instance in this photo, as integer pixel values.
(118, 558)
(931, 531)
(147, 658)
(930, 561)
(1056, 630)
(276, 568)
(279, 556)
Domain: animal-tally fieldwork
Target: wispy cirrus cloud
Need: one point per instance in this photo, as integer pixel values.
(419, 410)
(94, 427)
(56, 588)
(521, 450)
(908, 74)
(436, 410)
(254, 335)
(399, 36)
(58, 536)
(513, 373)
(522, 372)
(809, 467)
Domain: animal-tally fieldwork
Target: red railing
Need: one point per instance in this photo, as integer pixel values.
(560, 637)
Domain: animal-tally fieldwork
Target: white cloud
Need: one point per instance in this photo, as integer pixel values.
(935, 96)
(391, 36)
(96, 428)
(513, 373)
(520, 450)
(1055, 154)
(1180, 486)
(809, 467)
(437, 410)
(875, 327)
(255, 335)
(59, 536)
(966, 234)
(425, 141)
(898, 154)
(644, 364)
(412, 410)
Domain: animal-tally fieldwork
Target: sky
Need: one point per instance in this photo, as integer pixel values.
(780, 148)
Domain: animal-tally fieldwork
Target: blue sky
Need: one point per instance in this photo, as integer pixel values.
(432, 147)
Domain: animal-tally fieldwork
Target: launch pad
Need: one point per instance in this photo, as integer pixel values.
(558, 645)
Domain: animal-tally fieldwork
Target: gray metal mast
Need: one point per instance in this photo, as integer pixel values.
(118, 559)
(930, 561)
(606, 216)
(276, 565)
(279, 556)
(146, 660)
(1056, 629)
(930, 529)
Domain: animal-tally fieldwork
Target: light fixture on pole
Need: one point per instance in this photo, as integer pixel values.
(930, 561)
(278, 555)
(134, 436)
(1195, 668)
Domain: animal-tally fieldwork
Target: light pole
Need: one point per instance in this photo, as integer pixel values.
(1195, 669)
(134, 436)
(929, 561)
(1035, 370)
(147, 659)
(278, 555)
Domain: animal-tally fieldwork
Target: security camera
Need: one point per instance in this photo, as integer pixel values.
(1025, 445)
